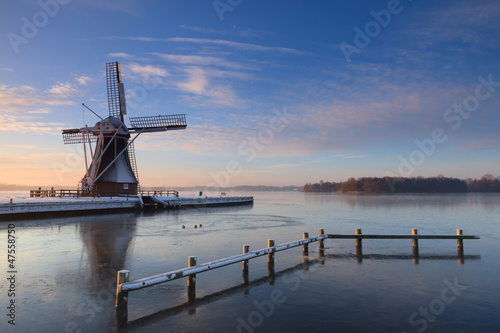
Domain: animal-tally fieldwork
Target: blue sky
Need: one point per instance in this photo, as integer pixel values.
(275, 93)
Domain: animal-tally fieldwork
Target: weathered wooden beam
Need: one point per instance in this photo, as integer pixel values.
(305, 247)
(460, 244)
(191, 282)
(415, 243)
(359, 244)
(121, 312)
(246, 248)
(182, 273)
(321, 243)
(367, 236)
(270, 258)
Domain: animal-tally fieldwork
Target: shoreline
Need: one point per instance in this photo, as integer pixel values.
(47, 207)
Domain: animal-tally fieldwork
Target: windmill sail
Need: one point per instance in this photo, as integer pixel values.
(116, 91)
(158, 123)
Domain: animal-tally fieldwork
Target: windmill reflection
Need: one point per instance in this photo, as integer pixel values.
(106, 240)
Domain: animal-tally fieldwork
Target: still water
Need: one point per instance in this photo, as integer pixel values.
(66, 268)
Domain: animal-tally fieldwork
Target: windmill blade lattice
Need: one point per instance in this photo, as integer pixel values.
(77, 136)
(116, 93)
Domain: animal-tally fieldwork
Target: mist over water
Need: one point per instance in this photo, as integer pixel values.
(67, 267)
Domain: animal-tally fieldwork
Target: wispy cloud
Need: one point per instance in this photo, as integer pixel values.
(202, 29)
(22, 146)
(120, 55)
(63, 90)
(9, 123)
(475, 144)
(197, 81)
(82, 79)
(286, 166)
(24, 108)
(469, 22)
(236, 45)
(148, 70)
(219, 42)
(349, 155)
(236, 32)
(21, 98)
(199, 60)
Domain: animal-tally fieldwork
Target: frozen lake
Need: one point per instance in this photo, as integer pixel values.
(66, 268)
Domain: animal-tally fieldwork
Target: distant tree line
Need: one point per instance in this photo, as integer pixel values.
(439, 184)
(487, 183)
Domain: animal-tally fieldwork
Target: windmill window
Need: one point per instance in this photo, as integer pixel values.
(125, 186)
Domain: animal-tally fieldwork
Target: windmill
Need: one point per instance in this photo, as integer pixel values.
(113, 168)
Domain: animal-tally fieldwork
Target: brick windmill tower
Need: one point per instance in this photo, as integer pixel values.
(113, 168)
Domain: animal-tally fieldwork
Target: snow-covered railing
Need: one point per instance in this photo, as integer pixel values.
(124, 286)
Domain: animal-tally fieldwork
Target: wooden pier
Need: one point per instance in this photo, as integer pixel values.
(54, 203)
(124, 286)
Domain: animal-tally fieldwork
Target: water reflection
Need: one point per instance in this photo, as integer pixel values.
(106, 241)
(191, 306)
(68, 265)
(405, 200)
(386, 257)
(152, 321)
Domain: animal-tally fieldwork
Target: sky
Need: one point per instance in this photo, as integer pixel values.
(281, 92)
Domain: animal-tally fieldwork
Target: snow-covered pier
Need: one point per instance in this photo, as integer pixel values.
(16, 206)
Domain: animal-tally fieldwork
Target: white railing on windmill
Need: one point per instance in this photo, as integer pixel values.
(111, 171)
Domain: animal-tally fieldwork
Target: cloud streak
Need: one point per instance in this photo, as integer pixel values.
(237, 45)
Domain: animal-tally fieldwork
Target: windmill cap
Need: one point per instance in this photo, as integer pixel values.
(112, 124)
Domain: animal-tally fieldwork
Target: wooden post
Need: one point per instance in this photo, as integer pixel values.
(460, 245)
(270, 256)
(359, 244)
(246, 249)
(321, 232)
(305, 247)
(121, 305)
(191, 283)
(415, 243)
(270, 260)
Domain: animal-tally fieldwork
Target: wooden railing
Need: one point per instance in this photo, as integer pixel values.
(55, 193)
(74, 193)
(161, 193)
(124, 286)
